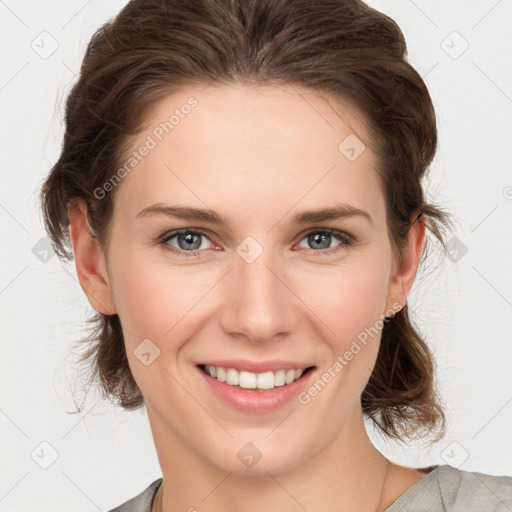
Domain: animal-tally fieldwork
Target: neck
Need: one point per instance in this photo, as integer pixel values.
(347, 474)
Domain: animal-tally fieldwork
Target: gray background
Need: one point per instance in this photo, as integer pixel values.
(96, 459)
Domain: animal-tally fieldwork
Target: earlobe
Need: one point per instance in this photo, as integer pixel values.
(89, 260)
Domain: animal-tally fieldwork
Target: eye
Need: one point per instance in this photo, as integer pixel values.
(191, 242)
(322, 239)
(188, 241)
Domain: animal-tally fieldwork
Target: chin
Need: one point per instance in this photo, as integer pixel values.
(257, 458)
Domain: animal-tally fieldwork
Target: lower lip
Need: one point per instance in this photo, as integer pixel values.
(248, 400)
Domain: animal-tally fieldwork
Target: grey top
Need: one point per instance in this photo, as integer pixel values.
(443, 489)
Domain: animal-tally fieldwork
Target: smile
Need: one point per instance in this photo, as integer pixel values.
(268, 388)
(249, 380)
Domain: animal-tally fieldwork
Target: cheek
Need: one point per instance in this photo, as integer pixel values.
(157, 301)
(350, 301)
(347, 298)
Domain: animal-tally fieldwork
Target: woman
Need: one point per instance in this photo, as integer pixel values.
(241, 182)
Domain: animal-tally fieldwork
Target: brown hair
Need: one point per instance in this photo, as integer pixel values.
(342, 48)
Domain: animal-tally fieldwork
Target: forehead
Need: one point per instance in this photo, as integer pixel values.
(250, 147)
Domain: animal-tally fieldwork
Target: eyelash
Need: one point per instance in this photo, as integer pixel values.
(345, 238)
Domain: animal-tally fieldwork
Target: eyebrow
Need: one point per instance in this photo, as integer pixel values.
(204, 215)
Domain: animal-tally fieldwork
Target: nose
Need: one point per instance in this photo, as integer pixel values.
(258, 304)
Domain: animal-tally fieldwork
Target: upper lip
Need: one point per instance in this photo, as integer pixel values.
(257, 366)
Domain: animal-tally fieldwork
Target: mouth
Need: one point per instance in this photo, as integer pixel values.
(260, 382)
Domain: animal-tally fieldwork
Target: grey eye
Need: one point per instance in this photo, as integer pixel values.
(320, 240)
(187, 240)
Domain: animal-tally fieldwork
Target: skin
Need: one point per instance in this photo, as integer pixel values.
(257, 156)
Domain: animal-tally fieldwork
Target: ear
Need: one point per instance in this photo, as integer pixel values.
(404, 270)
(89, 260)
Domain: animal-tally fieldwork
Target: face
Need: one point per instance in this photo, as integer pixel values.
(257, 288)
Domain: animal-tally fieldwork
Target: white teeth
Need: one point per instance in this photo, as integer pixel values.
(247, 380)
(280, 378)
(221, 373)
(232, 377)
(266, 380)
(250, 380)
(290, 376)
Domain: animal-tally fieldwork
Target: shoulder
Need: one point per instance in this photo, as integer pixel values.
(142, 502)
(447, 489)
(466, 487)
